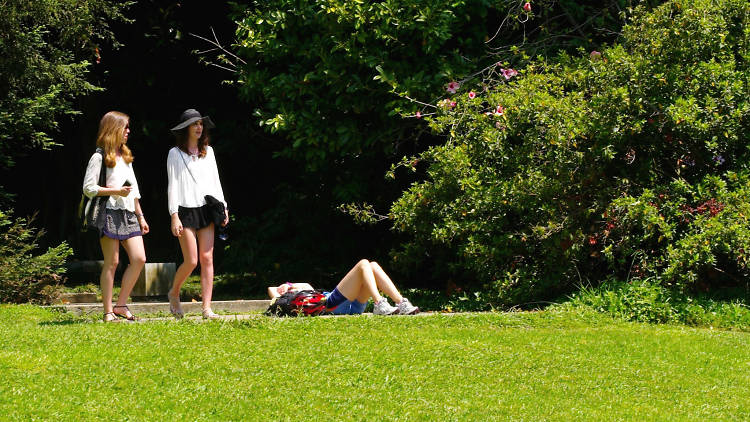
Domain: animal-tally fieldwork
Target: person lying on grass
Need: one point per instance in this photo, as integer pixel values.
(350, 296)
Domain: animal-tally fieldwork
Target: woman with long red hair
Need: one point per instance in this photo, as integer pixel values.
(124, 222)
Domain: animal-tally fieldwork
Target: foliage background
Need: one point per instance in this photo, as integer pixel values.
(320, 101)
(629, 163)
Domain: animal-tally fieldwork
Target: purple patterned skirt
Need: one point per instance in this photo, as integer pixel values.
(120, 225)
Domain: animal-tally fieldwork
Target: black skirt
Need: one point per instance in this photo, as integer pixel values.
(195, 218)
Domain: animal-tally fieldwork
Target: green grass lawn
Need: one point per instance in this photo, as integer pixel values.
(519, 366)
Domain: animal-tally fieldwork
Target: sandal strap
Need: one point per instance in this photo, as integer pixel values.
(121, 306)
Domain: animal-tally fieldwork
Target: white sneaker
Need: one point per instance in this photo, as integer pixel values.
(384, 308)
(406, 308)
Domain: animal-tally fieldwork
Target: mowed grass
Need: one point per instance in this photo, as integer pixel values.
(494, 366)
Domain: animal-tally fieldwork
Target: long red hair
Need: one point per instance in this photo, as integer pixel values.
(111, 137)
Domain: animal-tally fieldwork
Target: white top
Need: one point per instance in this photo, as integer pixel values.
(116, 176)
(182, 190)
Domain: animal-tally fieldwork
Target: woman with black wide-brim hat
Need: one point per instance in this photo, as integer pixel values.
(196, 205)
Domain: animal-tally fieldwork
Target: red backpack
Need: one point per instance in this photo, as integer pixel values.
(301, 303)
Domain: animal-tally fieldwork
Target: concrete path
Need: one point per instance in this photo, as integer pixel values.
(235, 306)
(146, 311)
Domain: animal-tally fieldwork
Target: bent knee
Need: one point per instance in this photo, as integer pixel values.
(363, 264)
(191, 262)
(375, 265)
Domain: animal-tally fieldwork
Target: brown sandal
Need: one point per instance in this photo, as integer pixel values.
(125, 316)
(109, 317)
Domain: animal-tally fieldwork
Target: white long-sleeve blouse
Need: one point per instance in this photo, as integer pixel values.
(116, 177)
(182, 190)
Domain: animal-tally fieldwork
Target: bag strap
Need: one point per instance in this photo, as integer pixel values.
(97, 200)
(188, 168)
(103, 170)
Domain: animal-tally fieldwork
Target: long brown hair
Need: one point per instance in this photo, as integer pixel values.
(111, 136)
(181, 137)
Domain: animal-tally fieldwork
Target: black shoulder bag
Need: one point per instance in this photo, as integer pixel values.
(91, 211)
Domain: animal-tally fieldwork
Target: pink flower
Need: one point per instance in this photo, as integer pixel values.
(447, 103)
(527, 7)
(595, 55)
(472, 94)
(453, 87)
(419, 115)
(508, 73)
(499, 111)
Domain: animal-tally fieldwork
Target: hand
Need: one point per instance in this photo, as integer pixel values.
(176, 226)
(282, 289)
(226, 218)
(124, 191)
(144, 225)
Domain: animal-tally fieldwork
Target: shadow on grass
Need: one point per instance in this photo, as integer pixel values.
(65, 322)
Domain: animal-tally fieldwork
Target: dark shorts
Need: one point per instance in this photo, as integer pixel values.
(347, 307)
(195, 218)
(120, 225)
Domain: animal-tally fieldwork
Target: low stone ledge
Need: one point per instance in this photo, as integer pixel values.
(155, 279)
(67, 298)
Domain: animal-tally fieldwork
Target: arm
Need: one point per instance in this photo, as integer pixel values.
(172, 186)
(276, 291)
(173, 167)
(136, 199)
(91, 180)
(273, 291)
(141, 218)
(217, 186)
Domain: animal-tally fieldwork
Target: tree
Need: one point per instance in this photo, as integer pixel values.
(47, 48)
(332, 80)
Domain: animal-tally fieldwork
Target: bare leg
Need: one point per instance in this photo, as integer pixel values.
(189, 247)
(206, 257)
(137, 257)
(111, 253)
(384, 283)
(359, 283)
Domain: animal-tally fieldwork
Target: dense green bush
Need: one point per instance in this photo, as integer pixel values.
(630, 162)
(25, 277)
(332, 79)
(647, 300)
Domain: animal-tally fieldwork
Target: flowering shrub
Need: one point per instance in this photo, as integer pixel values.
(334, 76)
(629, 161)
